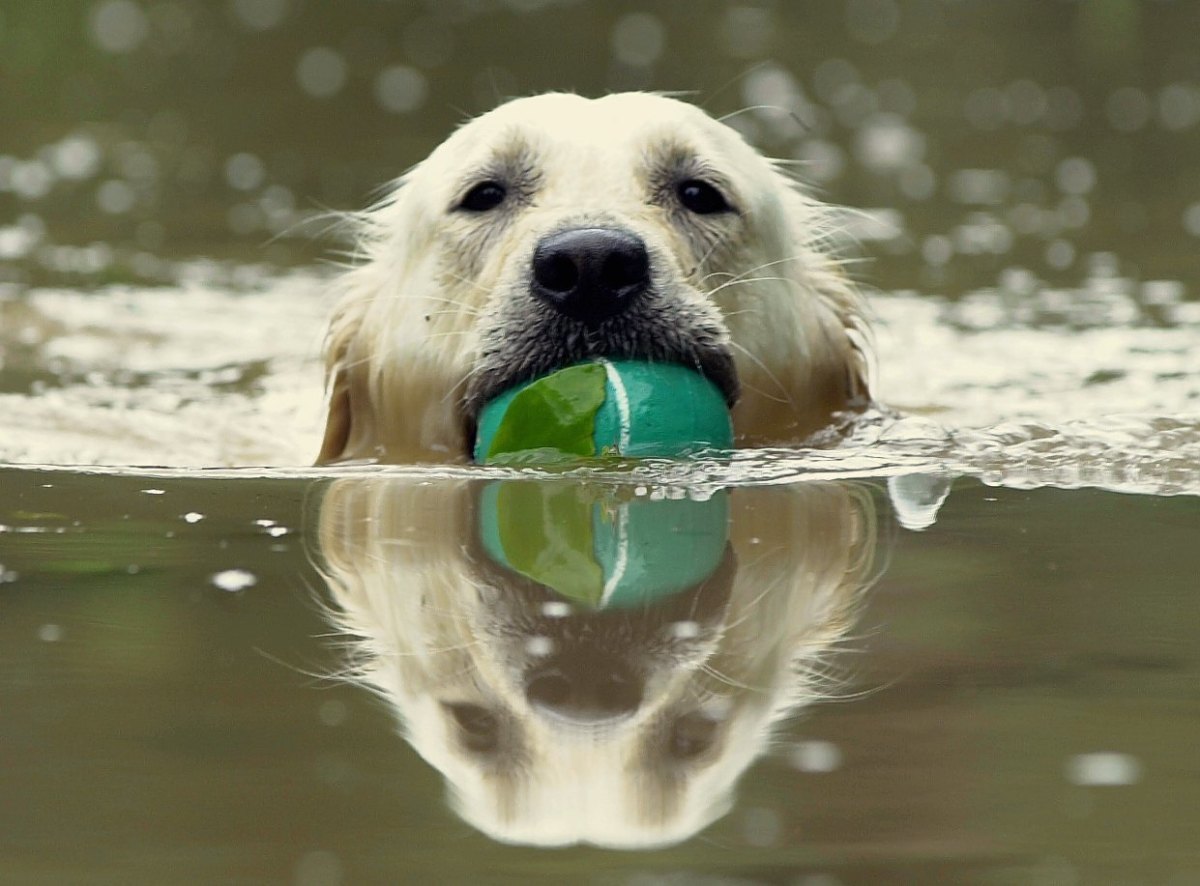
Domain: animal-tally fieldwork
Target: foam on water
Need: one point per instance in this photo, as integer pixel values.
(1020, 385)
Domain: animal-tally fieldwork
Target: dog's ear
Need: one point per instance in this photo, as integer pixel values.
(340, 377)
(820, 271)
(337, 423)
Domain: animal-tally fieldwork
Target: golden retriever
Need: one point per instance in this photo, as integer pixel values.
(555, 722)
(555, 229)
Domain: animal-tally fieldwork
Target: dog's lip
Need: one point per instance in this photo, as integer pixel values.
(716, 365)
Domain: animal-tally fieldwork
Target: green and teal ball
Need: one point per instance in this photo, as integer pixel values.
(606, 407)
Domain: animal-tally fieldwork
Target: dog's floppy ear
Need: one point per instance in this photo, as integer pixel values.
(337, 424)
(345, 408)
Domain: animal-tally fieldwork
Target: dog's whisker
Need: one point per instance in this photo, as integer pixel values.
(455, 388)
(474, 284)
(736, 78)
(787, 397)
(746, 281)
(717, 242)
(711, 274)
(730, 681)
(767, 264)
(750, 605)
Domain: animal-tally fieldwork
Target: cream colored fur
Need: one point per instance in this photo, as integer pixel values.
(423, 632)
(405, 335)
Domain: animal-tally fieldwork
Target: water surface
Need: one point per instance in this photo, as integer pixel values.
(1006, 696)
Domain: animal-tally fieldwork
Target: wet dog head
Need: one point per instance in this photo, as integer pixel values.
(557, 228)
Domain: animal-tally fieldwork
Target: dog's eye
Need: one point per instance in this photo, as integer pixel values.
(478, 727)
(484, 196)
(701, 197)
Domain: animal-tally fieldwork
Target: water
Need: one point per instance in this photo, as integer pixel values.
(1005, 696)
(955, 648)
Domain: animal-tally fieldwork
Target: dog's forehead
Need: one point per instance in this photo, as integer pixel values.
(633, 121)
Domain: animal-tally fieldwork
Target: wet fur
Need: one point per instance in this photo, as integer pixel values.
(437, 316)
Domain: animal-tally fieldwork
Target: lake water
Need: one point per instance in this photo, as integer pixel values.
(1006, 696)
(958, 648)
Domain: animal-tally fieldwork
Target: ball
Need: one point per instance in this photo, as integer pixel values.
(605, 407)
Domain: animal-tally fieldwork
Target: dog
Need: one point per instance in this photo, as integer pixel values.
(555, 722)
(556, 229)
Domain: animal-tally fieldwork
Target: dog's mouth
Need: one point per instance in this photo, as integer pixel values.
(539, 352)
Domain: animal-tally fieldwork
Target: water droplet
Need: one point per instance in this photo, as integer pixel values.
(118, 26)
(260, 15)
(638, 39)
(319, 868)
(685, 630)
(321, 72)
(1191, 219)
(115, 196)
(815, 756)
(556, 609)
(234, 580)
(1075, 175)
(823, 160)
(1060, 254)
(333, 712)
(979, 186)
(244, 171)
(50, 633)
(539, 647)
(1179, 106)
(400, 89)
(1104, 769)
(886, 142)
(32, 180)
(76, 157)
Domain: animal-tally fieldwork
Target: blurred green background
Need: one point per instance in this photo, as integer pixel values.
(981, 135)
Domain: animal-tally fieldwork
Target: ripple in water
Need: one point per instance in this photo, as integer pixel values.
(222, 370)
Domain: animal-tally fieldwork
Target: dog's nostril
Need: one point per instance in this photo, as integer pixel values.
(557, 273)
(624, 269)
(590, 274)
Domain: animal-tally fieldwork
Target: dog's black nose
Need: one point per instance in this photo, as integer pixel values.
(590, 274)
(584, 688)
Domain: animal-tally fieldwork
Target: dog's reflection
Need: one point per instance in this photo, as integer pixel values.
(586, 663)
